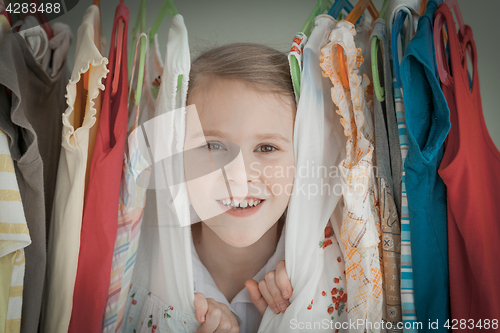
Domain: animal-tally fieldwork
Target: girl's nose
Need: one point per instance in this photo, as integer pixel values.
(235, 175)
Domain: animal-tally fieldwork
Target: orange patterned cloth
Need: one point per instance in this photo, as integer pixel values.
(361, 229)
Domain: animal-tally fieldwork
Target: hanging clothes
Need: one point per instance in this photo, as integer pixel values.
(361, 225)
(14, 237)
(471, 171)
(80, 116)
(407, 287)
(30, 118)
(132, 196)
(34, 35)
(411, 8)
(314, 260)
(427, 120)
(100, 214)
(54, 59)
(388, 164)
(165, 243)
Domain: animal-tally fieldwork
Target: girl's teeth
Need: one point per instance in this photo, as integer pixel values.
(243, 204)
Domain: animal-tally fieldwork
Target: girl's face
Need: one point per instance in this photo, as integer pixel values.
(239, 152)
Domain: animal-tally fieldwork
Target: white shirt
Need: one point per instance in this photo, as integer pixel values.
(242, 306)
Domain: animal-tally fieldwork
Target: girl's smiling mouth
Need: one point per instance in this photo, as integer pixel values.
(242, 208)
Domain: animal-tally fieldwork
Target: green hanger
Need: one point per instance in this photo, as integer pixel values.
(320, 8)
(384, 9)
(142, 60)
(167, 7)
(295, 73)
(379, 90)
(140, 21)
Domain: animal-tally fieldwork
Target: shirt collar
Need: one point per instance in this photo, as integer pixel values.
(204, 283)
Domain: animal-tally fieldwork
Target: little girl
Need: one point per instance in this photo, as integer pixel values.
(245, 103)
(241, 139)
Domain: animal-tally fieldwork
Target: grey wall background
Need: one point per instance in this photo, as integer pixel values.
(212, 23)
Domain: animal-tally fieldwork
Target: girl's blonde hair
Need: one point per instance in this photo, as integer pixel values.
(262, 68)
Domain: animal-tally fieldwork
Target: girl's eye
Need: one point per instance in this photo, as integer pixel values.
(266, 149)
(214, 146)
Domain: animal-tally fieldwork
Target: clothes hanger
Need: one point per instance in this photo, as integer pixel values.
(397, 26)
(42, 19)
(142, 40)
(441, 59)
(340, 5)
(379, 90)
(118, 63)
(353, 16)
(384, 10)
(142, 57)
(395, 32)
(167, 7)
(34, 35)
(140, 22)
(320, 8)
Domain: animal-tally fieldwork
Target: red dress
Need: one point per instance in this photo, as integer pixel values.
(100, 215)
(471, 171)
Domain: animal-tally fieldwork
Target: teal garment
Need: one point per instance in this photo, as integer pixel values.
(428, 123)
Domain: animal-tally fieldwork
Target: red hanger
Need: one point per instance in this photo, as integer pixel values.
(441, 60)
(119, 43)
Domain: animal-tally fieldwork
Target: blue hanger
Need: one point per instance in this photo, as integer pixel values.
(337, 7)
(396, 31)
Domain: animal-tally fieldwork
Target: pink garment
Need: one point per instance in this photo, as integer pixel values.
(471, 171)
(100, 216)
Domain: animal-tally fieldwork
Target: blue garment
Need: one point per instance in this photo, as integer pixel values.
(428, 123)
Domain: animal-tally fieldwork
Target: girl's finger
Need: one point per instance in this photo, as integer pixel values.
(232, 319)
(201, 307)
(268, 297)
(282, 280)
(255, 295)
(275, 292)
(212, 321)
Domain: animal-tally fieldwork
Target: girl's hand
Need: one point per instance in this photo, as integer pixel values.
(214, 316)
(274, 291)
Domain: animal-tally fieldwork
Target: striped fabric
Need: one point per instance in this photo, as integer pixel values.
(131, 208)
(14, 237)
(407, 293)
